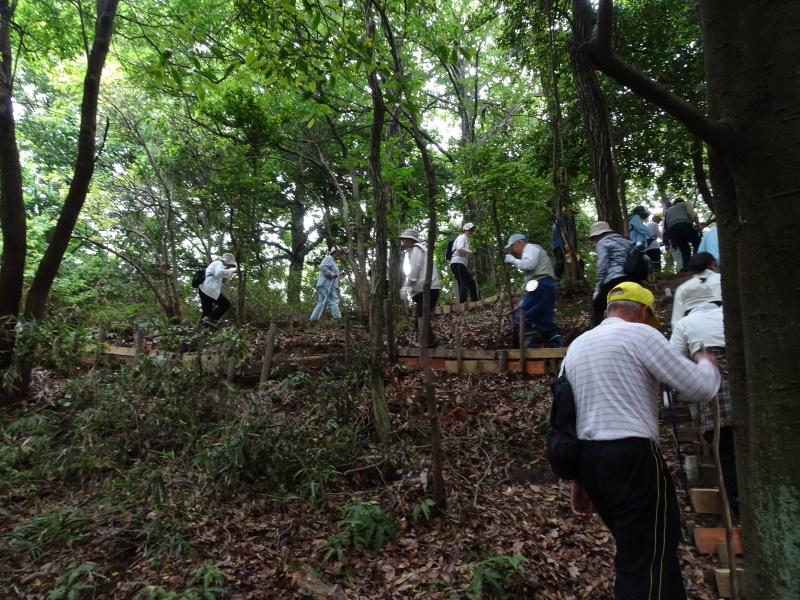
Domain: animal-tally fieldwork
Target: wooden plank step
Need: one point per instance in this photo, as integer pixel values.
(707, 538)
(706, 501)
(723, 577)
(538, 353)
(688, 434)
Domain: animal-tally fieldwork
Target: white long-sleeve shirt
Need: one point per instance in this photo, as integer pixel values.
(461, 250)
(216, 274)
(703, 326)
(615, 371)
(417, 264)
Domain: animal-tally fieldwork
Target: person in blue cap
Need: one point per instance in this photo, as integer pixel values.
(539, 301)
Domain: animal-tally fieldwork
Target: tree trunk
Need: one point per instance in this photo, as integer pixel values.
(12, 207)
(84, 164)
(753, 133)
(598, 123)
(380, 406)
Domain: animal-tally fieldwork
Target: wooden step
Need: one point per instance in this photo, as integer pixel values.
(707, 538)
(723, 577)
(705, 500)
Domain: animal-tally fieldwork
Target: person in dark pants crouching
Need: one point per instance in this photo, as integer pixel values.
(615, 371)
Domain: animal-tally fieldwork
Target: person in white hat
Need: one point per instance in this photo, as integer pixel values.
(458, 265)
(703, 265)
(703, 329)
(328, 285)
(417, 261)
(612, 253)
(539, 300)
(212, 301)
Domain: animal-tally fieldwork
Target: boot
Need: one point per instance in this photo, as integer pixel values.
(556, 342)
(531, 339)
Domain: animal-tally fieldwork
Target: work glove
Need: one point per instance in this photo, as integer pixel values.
(510, 258)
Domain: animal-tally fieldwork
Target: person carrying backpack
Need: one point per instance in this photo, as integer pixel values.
(458, 265)
(214, 304)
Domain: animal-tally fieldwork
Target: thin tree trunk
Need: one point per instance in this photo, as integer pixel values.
(84, 164)
(598, 123)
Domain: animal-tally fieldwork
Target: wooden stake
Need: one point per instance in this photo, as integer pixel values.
(459, 351)
(266, 363)
(502, 356)
(139, 343)
(522, 358)
(347, 341)
(390, 343)
(726, 507)
(101, 340)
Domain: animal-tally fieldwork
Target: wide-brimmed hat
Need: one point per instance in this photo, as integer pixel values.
(228, 259)
(628, 290)
(599, 228)
(514, 239)
(336, 249)
(411, 234)
(467, 226)
(641, 211)
(699, 294)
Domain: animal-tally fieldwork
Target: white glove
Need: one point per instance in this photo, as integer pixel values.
(510, 258)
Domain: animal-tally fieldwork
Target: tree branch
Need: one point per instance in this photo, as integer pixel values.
(601, 55)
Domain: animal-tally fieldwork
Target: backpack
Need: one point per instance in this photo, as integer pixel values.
(562, 438)
(637, 264)
(199, 277)
(448, 252)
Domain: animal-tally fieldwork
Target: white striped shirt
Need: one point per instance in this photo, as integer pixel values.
(615, 370)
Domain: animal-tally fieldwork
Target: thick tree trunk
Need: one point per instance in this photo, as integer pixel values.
(84, 164)
(753, 132)
(598, 123)
(753, 84)
(12, 208)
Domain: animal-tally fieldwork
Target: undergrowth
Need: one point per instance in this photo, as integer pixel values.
(148, 445)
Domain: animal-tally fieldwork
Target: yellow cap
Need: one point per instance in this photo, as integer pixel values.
(628, 290)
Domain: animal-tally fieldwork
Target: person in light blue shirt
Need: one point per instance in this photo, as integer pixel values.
(639, 233)
(328, 286)
(710, 243)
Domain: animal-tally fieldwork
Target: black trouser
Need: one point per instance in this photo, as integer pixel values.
(433, 341)
(632, 491)
(601, 300)
(465, 282)
(560, 261)
(682, 234)
(213, 309)
(655, 258)
(727, 459)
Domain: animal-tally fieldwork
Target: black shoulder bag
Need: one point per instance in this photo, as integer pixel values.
(562, 438)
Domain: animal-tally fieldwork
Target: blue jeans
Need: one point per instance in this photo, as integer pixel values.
(328, 296)
(540, 308)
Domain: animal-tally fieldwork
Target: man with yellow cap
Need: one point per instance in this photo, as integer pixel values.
(615, 371)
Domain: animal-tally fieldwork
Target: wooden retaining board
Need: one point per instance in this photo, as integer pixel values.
(723, 577)
(532, 367)
(449, 353)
